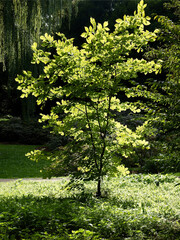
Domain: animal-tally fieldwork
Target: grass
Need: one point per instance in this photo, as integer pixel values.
(14, 164)
(134, 207)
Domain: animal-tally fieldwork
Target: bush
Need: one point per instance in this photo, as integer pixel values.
(15, 130)
(163, 163)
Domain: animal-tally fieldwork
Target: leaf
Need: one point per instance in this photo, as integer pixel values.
(105, 24)
(87, 29)
(34, 46)
(93, 22)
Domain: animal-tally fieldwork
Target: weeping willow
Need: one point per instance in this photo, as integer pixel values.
(21, 23)
(2, 57)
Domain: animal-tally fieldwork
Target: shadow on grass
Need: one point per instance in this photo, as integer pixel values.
(81, 216)
(46, 216)
(14, 163)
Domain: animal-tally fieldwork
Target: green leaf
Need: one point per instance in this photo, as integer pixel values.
(34, 46)
(105, 24)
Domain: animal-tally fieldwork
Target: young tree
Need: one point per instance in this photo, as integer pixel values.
(83, 85)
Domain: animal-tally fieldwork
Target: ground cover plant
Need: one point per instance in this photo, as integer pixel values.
(132, 207)
(14, 163)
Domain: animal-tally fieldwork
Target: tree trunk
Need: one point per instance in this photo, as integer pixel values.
(98, 193)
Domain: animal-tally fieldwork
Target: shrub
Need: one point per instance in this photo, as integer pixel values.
(163, 163)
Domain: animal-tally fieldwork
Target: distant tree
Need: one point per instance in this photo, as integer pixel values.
(83, 85)
(166, 110)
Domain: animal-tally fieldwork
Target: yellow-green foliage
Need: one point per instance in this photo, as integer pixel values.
(122, 170)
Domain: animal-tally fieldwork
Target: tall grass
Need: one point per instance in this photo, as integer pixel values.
(133, 207)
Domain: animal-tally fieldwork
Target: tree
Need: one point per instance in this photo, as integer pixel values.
(167, 108)
(82, 85)
(21, 23)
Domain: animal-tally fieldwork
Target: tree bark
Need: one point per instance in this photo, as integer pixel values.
(98, 193)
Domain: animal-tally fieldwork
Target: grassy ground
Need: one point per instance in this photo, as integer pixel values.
(14, 164)
(133, 208)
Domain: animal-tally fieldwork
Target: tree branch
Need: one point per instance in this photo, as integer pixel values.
(92, 140)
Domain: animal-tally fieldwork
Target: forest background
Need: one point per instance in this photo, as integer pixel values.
(22, 23)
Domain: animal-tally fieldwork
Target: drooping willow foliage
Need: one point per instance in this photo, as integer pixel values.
(1, 36)
(22, 22)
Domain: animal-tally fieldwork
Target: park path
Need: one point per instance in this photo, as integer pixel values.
(29, 179)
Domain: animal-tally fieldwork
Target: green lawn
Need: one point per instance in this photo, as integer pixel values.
(133, 208)
(14, 164)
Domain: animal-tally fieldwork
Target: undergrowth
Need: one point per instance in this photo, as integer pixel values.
(132, 207)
